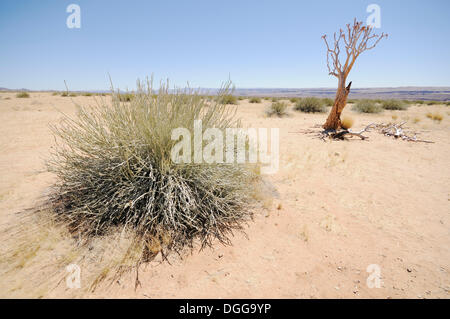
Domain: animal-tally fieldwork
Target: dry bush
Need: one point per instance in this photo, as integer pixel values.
(22, 95)
(277, 108)
(114, 169)
(367, 106)
(228, 99)
(125, 97)
(310, 105)
(394, 105)
(255, 100)
(327, 101)
(347, 122)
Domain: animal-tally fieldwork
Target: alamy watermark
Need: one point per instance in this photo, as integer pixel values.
(233, 145)
(73, 279)
(374, 279)
(374, 19)
(74, 19)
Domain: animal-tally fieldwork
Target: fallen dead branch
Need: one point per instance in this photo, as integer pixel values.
(390, 129)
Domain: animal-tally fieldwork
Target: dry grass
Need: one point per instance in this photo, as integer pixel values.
(278, 109)
(114, 168)
(347, 122)
(22, 95)
(310, 105)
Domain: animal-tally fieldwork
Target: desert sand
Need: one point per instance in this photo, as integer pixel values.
(336, 208)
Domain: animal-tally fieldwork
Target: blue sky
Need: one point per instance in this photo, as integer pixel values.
(257, 43)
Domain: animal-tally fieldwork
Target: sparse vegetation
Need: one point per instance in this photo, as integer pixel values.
(327, 101)
(87, 94)
(255, 100)
(435, 116)
(294, 100)
(310, 105)
(347, 122)
(125, 97)
(394, 105)
(277, 108)
(22, 95)
(114, 169)
(229, 99)
(367, 106)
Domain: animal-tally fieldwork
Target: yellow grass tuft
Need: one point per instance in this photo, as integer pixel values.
(347, 122)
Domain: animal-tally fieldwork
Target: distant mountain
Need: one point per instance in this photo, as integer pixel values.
(405, 93)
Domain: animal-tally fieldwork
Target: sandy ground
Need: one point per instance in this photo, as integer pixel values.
(338, 208)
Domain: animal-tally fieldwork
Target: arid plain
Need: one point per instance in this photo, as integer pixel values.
(333, 209)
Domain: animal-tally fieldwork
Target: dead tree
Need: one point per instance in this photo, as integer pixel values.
(357, 39)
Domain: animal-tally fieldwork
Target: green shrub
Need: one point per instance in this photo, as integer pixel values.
(22, 95)
(125, 97)
(277, 108)
(114, 169)
(240, 98)
(294, 99)
(419, 102)
(367, 106)
(433, 102)
(55, 93)
(228, 99)
(87, 94)
(65, 94)
(327, 101)
(255, 100)
(310, 105)
(394, 105)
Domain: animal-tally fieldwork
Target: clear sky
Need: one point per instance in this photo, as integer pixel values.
(258, 43)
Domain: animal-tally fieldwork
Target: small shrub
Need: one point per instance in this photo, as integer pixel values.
(433, 102)
(310, 105)
(266, 98)
(229, 99)
(126, 97)
(420, 102)
(394, 117)
(437, 117)
(367, 106)
(429, 115)
(294, 100)
(394, 105)
(65, 94)
(347, 122)
(22, 95)
(274, 99)
(255, 100)
(328, 101)
(416, 120)
(240, 98)
(55, 93)
(114, 170)
(277, 108)
(73, 94)
(87, 94)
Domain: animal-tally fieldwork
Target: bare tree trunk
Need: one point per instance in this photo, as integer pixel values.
(334, 118)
